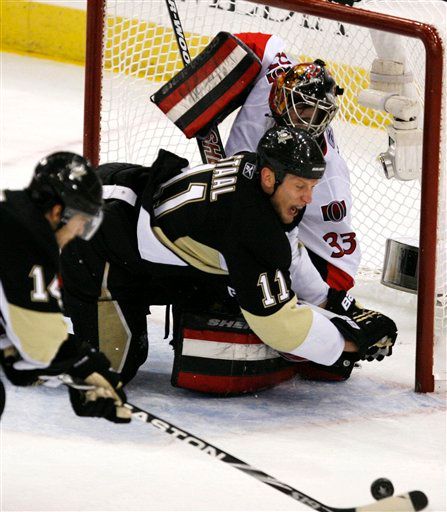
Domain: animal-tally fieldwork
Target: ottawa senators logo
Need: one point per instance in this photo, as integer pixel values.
(335, 211)
(279, 65)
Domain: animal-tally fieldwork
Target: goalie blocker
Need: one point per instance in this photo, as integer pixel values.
(214, 84)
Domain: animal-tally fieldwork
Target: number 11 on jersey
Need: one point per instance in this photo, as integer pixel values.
(269, 299)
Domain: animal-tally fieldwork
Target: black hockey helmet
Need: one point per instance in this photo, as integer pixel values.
(68, 179)
(285, 149)
(305, 87)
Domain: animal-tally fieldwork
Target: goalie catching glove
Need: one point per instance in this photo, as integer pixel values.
(372, 332)
(106, 397)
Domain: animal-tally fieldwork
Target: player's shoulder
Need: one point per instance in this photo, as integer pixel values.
(262, 235)
(120, 173)
(330, 138)
(256, 41)
(335, 162)
(137, 177)
(266, 46)
(24, 232)
(16, 208)
(257, 224)
(247, 165)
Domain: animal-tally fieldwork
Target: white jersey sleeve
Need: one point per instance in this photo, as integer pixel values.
(254, 118)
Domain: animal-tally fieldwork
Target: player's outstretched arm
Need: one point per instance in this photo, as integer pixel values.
(101, 393)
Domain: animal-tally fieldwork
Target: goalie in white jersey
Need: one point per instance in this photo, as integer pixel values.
(304, 95)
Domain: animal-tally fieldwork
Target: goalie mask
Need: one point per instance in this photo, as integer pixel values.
(68, 179)
(305, 97)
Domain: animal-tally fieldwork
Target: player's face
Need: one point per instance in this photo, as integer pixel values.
(291, 196)
(72, 228)
(302, 116)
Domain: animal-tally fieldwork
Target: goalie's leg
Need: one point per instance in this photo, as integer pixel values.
(339, 371)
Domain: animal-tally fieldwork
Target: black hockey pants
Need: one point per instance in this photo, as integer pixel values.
(109, 266)
(110, 263)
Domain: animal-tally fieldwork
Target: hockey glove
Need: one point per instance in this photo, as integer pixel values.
(106, 398)
(373, 333)
(9, 357)
(341, 303)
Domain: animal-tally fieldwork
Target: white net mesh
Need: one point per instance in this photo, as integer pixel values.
(140, 54)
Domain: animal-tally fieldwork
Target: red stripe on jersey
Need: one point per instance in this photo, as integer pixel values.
(226, 385)
(256, 41)
(210, 113)
(221, 336)
(338, 279)
(201, 74)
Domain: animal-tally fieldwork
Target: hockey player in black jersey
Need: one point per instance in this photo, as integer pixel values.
(63, 201)
(224, 233)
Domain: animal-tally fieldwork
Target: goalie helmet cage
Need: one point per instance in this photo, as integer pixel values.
(132, 51)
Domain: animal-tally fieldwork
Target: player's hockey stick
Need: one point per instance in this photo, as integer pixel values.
(211, 148)
(408, 502)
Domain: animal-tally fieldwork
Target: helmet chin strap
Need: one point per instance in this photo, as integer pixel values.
(278, 182)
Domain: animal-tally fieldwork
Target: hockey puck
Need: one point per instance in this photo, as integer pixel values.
(382, 488)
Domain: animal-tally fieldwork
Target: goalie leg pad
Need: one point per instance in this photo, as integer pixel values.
(219, 354)
(339, 371)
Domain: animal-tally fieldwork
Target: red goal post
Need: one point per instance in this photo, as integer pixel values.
(432, 203)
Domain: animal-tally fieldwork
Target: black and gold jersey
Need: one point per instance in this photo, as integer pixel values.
(29, 287)
(216, 218)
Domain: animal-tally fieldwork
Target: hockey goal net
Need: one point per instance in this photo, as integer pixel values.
(132, 51)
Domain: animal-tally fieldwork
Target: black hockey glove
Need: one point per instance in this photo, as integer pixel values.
(8, 359)
(342, 303)
(9, 356)
(373, 333)
(106, 398)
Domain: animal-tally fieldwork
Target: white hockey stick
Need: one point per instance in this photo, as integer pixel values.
(408, 502)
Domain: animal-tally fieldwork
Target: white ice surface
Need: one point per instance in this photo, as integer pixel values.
(327, 440)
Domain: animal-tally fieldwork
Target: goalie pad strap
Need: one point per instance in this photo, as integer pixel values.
(215, 83)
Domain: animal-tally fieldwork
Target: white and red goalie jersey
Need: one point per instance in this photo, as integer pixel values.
(326, 228)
